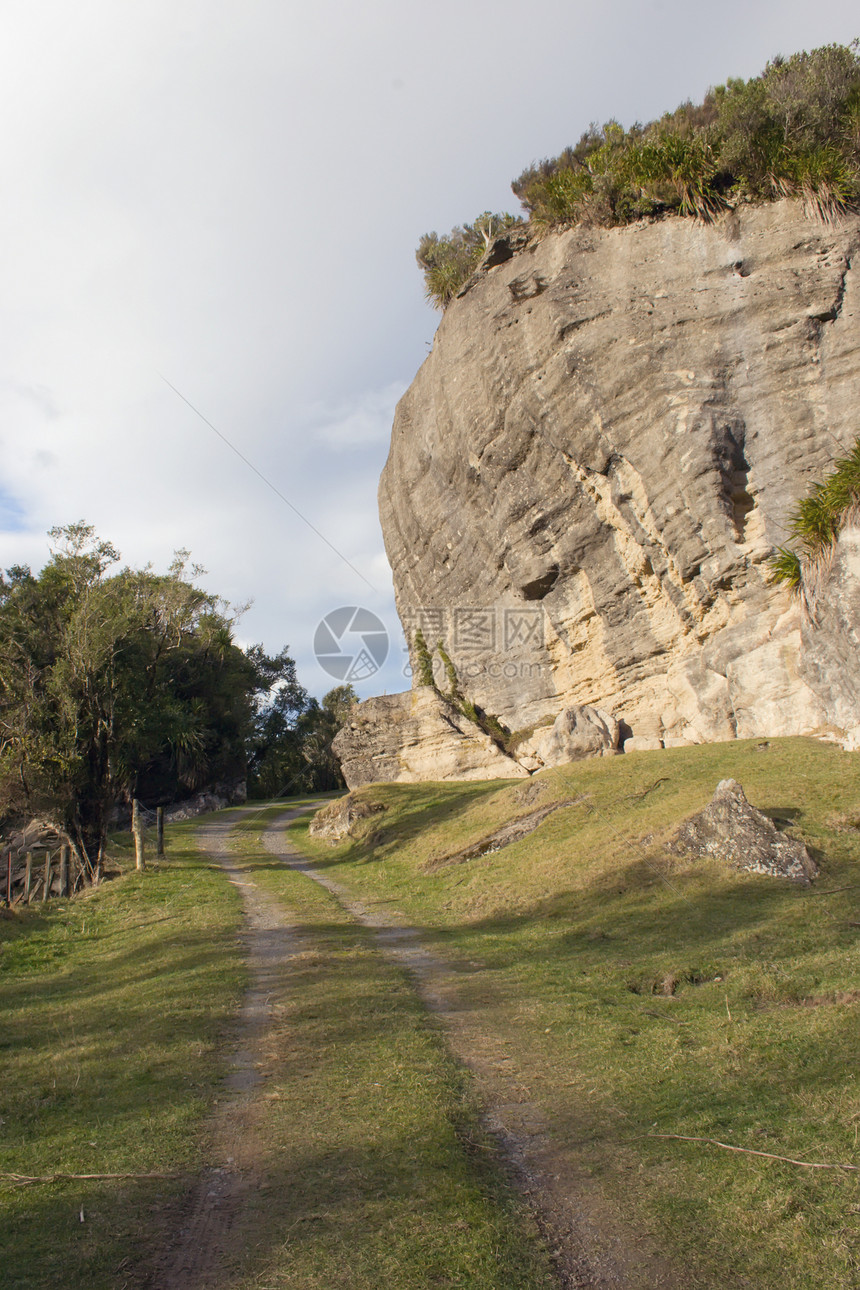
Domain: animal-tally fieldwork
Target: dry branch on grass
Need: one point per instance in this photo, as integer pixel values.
(748, 1151)
(25, 1179)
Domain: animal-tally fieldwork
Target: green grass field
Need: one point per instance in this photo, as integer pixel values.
(636, 994)
(642, 994)
(116, 1007)
(119, 1013)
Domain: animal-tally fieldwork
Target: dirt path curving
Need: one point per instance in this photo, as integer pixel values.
(590, 1250)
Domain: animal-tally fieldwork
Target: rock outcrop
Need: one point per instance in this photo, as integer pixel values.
(416, 736)
(345, 817)
(733, 831)
(594, 464)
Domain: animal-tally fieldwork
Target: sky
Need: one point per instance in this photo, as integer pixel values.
(209, 303)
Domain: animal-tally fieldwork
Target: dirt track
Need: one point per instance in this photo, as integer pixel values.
(589, 1249)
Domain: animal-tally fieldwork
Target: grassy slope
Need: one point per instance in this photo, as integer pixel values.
(115, 1008)
(579, 928)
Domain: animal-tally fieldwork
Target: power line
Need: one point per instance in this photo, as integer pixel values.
(267, 482)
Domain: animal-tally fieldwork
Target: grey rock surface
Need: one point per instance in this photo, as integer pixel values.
(417, 736)
(733, 831)
(592, 467)
(830, 631)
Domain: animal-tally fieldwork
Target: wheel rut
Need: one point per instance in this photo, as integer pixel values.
(206, 1240)
(588, 1251)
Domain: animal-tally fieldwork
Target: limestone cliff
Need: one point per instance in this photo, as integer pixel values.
(596, 460)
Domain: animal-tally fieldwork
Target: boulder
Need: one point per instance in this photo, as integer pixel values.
(416, 736)
(576, 733)
(731, 830)
(343, 818)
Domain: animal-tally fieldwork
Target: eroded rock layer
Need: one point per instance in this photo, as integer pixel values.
(593, 465)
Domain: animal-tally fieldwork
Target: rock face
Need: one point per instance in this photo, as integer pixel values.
(830, 633)
(416, 736)
(733, 831)
(593, 465)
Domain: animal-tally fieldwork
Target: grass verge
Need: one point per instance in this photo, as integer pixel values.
(639, 993)
(115, 1009)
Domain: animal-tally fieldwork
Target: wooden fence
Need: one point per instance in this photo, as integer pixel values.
(37, 874)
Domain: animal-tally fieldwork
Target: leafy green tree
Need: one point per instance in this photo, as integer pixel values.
(318, 728)
(115, 684)
(291, 750)
(275, 761)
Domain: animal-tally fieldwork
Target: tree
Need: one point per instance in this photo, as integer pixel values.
(292, 748)
(319, 725)
(112, 683)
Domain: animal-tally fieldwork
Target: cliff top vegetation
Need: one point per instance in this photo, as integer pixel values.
(793, 131)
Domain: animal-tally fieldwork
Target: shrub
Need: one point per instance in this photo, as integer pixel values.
(815, 522)
(793, 131)
(678, 171)
(454, 692)
(448, 262)
(424, 659)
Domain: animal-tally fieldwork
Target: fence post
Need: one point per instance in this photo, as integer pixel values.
(64, 869)
(159, 831)
(9, 879)
(47, 888)
(28, 877)
(137, 830)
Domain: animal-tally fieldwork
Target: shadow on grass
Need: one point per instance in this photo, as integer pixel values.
(403, 1211)
(416, 808)
(632, 914)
